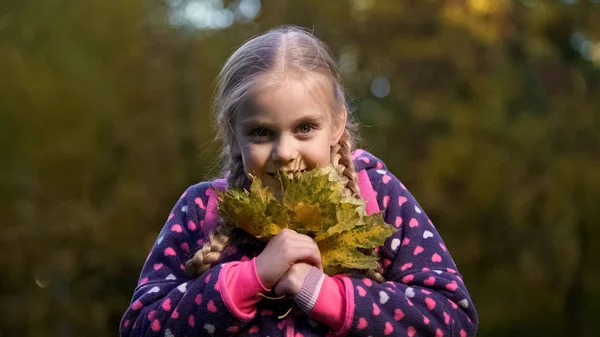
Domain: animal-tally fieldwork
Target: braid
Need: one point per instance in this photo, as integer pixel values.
(218, 240)
(210, 253)
(237, 177)
(341, 159)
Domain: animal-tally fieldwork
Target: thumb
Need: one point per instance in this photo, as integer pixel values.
(279, 289)
(282, 285)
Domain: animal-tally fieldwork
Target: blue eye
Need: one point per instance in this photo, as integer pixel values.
(305, 128)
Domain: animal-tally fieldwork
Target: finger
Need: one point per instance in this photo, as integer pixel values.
(299, 250)
(306, 238)
(318, 260)
(287, 238)
(297, 242)
(286, 232)
(291, 234)
(319, 263)
(279, 289)
(307, 254)
(315, 254)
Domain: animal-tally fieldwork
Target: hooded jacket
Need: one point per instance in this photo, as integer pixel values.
(424, 294)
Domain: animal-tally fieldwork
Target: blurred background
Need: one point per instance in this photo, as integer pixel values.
(487, 110)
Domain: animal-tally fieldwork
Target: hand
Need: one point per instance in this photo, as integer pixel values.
(282, 252)
(291, 283)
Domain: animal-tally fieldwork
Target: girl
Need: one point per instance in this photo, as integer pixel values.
(280, 106)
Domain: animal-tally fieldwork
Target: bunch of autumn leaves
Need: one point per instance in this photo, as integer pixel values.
(312, 203)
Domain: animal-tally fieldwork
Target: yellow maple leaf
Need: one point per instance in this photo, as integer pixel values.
(313, 203)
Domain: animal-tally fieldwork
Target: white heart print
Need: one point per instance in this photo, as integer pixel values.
(170, 277)
(427, 234)
(417, 209)
(383, 297)
(182, 287)
(464, 303)
(395, 243)
(154, 290)
(210, 328)
(410, 292)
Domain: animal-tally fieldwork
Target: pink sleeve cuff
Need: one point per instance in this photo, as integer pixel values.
(239, 284)
(330, 307)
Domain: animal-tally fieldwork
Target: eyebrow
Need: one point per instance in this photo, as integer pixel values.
(253, 121)
(259, 122)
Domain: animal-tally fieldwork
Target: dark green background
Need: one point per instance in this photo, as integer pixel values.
(492, 120)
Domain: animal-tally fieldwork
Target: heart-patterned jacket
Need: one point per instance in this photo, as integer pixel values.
(424, 295)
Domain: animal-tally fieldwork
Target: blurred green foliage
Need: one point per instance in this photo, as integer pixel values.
(487, 110)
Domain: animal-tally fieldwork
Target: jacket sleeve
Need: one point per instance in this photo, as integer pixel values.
(167, 301)
(425, 294)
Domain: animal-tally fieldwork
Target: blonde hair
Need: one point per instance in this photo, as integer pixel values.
(287, 50)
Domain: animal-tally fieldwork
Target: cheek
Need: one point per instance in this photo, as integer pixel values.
(325, 157)
(254, 158)
(320, 158)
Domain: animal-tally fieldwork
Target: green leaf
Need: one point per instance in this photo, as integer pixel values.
(313, 203)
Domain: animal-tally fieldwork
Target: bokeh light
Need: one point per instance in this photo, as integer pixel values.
(380, 87)
(211, 14)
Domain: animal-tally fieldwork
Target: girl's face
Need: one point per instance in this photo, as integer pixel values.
(287, 128)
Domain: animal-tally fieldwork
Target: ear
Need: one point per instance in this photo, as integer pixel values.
(339, 126)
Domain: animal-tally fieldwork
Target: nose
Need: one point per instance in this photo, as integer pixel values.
(285, 152)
